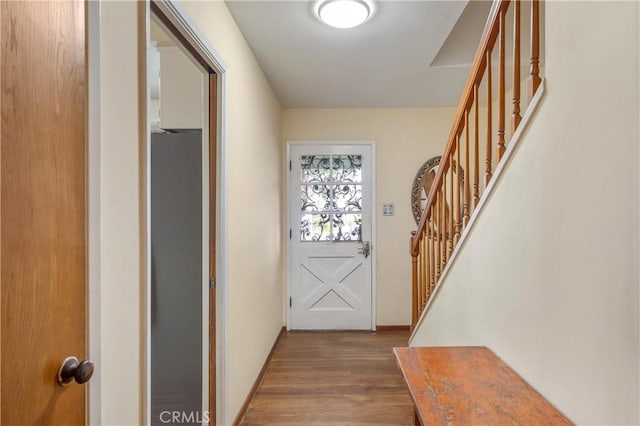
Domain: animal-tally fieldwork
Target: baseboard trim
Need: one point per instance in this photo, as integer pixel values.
(256, 384)
(393, 327)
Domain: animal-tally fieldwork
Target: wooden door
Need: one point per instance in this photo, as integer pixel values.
(331, 228)
(43, 214)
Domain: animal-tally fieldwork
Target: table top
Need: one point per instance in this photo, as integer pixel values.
(471, 386)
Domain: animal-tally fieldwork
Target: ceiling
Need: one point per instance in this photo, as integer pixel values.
(409, 54)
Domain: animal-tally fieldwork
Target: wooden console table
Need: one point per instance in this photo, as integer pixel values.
(470, 386)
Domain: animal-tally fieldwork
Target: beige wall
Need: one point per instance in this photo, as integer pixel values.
(404, 140)
(548, 277)
(255, 192)
(254, 158)
(121, 332)
(180, 91)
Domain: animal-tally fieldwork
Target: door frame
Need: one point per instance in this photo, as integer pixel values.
(94, 323)
(177, 22)
(289, 221)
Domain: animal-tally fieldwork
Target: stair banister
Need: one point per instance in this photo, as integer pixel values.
(452, 197)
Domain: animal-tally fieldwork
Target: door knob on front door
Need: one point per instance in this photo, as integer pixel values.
(365, 250)
(71, 370)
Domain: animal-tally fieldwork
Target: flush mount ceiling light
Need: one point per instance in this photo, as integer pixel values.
(344, 13)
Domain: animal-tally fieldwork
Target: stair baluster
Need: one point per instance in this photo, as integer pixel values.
(456, 191)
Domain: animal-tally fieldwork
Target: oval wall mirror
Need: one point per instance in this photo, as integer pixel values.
(422, 184)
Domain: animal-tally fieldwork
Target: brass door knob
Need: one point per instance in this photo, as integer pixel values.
(71, 370)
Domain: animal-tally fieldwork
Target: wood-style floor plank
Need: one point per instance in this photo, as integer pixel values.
(340, 378)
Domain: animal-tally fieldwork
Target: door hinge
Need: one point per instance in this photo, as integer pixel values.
(290, 233)
(212, 283)
(290, 302)
(289, 165)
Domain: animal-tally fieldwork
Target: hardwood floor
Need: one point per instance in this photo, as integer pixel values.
(333, 378)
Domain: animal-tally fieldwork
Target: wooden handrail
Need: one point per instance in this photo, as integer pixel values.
(452, 198)
(477, 71)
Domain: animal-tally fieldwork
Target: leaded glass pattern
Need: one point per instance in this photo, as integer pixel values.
(315, 227)
(347, 168)
(347, 198)
(347, 227)
(316, 168)
(315, 198)
(331, 198)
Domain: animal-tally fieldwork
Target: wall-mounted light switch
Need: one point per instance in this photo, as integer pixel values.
(387, 209)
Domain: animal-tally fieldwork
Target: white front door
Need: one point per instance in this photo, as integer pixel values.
(330, 214)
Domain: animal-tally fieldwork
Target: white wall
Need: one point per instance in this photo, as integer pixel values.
(121, 334)
(549, 276)
(255, 191)
(404, 140)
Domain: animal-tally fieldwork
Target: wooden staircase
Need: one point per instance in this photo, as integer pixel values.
(474, 149)
(471, 385)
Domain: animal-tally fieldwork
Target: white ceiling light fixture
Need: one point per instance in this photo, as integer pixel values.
(344, 13)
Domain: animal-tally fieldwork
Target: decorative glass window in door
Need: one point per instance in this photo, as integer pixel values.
(331, 198)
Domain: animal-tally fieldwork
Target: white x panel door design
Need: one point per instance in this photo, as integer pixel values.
(330, 215)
